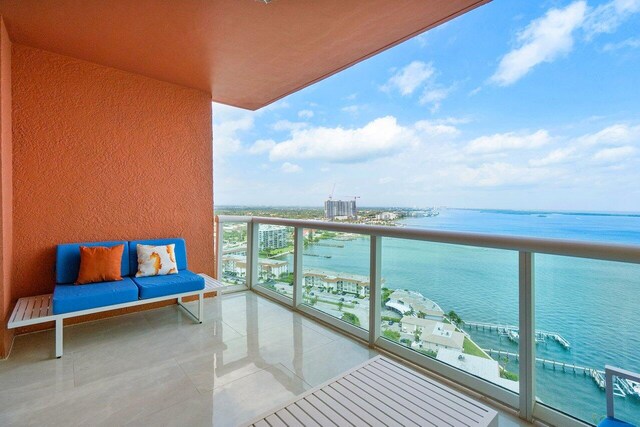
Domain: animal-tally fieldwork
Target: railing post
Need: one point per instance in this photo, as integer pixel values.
(527, 340)
(375, 289)
(219, 248)
(298, 247)
(253, 251)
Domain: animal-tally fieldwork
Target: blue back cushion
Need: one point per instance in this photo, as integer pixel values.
(68, 260)
(180, 251)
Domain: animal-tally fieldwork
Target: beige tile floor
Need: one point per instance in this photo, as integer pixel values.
(159, 368)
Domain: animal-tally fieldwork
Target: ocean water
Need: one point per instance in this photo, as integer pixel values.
(593, 304)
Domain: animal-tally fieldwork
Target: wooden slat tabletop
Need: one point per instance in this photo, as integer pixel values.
(381, 392)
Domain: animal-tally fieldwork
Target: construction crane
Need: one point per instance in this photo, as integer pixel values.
(332, 191)
(352, 197)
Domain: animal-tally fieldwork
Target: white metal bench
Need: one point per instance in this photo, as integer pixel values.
(39, 309)
(380, 392)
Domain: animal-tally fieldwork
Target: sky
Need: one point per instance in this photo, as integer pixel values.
(515, 105)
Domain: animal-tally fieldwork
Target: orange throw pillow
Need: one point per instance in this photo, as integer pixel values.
(100, 264)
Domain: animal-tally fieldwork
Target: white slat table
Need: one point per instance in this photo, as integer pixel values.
(381, 392)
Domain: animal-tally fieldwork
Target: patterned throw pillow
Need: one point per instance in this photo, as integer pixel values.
(156, 260)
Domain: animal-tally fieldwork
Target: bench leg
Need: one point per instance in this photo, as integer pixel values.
(200, 307)
(59, 326)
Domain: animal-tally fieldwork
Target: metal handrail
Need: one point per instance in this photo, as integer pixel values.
(572, 248)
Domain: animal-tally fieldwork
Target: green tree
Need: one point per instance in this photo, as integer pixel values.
(391, 335)
(454, 318)
(351, 318)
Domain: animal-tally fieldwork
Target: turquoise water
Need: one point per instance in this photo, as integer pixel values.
(594, 304)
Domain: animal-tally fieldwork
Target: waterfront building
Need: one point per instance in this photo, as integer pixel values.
(267, 268)
(273, 237)
(482, 367)
(404, 302)
(433, 335)
(387, 216)
(340, 209)
(337, 282)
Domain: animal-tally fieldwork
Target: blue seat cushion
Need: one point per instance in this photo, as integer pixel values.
(159, 286)
(180, 251)
(614, 422)
(68, 298)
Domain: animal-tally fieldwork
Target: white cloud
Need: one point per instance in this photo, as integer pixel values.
(475, 91)
(610, 155)
(305, 114)
(556, 156)
(409, 78)
(435, 96)
(290, 168)
(378, 138)
(385, 180)
(433, 129)
(262, 146)
(543, 40)
(286, 125)
(606, 18)
(498, 174)
(508, 141)
(616, 134)
(351, 109)
(228, 122)
(630, 43)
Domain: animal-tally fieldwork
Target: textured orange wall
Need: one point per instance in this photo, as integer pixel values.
(6, 189)
(102, 154)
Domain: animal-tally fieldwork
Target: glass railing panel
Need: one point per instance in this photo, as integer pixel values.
(456, 304)
(275, 258)
(336, 275)
(234, 253)
(587, 315)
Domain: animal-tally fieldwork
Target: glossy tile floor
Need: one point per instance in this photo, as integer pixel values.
(159, 368)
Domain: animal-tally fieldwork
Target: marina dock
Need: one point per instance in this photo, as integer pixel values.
(512, 333)
(621, 387)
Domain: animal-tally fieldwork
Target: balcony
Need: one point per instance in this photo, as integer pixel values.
(505, 317)
(106, 133)
(158, 368)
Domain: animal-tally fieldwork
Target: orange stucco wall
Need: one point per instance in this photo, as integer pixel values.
(6, 189)
(102, 154)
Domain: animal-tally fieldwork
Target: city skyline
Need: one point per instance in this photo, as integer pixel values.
(538, 112)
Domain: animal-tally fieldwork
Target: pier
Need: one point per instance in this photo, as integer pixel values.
(512, 333)
(620, 386)
(318, 256)
(328, 245)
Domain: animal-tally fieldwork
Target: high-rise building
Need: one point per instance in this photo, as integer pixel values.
(273, 237)
(340, 209)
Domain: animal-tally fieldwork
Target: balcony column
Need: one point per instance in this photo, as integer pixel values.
(253, 253)
(527, 340)
(375, 289)
(298, 276)
(219, 242)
